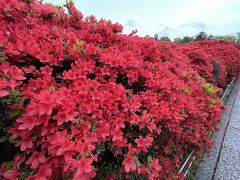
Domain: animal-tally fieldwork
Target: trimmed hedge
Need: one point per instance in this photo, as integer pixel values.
(82, 100)
(215, 60)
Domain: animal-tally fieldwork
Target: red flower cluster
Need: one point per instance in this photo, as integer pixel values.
(216, 61)
(97, 103)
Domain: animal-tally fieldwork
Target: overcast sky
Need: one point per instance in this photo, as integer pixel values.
(173, 18)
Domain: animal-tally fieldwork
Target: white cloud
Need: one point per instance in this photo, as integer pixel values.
(173, 17)
(130, 23)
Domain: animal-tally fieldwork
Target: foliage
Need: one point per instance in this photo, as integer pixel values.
(89, 102)
(187, 39)
(204, 36)
(201, 36)
(164, 38)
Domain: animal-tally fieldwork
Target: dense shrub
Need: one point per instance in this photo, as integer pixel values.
(85, 101)
(216, 61)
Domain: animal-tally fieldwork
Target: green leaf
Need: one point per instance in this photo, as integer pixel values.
(9, 165)
(138, 163)
(2, 58)
(100, 148)
(149, 159)
(13, 141)
(174, 177)
(68, 3)
(186, 91)
(16, 113)
(185, 75)
(52, 88)
(214, 102)
(3, 139)
(209, 88)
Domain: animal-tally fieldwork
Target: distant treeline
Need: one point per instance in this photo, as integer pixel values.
(200, 36)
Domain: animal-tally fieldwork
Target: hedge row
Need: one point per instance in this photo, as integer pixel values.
(81, 100)
(216, 61)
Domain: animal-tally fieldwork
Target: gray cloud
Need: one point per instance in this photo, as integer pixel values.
(160, 25)
(165, 31)
(194, 24)
(130, 23)
(170, 30)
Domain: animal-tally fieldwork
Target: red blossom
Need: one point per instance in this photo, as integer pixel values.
(116, 134)
(3, 93)
(25, 143)
(129, 163)
(11, 174)
(88, 92)
(36, 159)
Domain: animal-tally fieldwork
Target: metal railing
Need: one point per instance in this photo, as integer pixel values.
(190, 157)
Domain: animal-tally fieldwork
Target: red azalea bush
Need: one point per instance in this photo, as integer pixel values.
(86, 101)
(217, 61)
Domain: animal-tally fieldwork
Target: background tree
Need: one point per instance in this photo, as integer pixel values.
(156, 37)
(177, 40)
(165, 38)
(187, 39)
(238, 38)
(227, 38)
(211, 37)
(201, 36)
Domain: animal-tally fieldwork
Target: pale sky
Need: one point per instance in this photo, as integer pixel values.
(173, 18)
